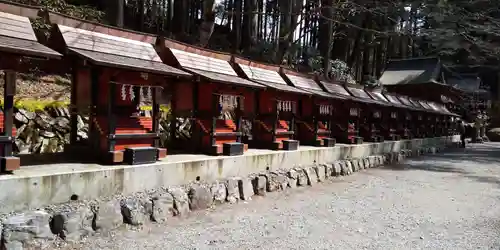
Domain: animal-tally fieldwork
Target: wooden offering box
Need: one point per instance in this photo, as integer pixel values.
(113, 76)
(217, 102)
(315, 114)
(19, 50)
(371, 114)
(347, 114)
(276, 107)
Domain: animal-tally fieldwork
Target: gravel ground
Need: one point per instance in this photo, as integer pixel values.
(449, 201)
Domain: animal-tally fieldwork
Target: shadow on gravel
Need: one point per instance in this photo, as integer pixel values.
(453, 160)
(435, 166)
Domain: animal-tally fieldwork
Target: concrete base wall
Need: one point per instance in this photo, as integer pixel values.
(39, 186)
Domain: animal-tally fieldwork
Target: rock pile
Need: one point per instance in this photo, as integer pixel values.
(45, 131)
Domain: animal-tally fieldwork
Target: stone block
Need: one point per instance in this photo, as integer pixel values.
(134, 211)
(219, 191)
(350, 167)
(293, 177)
(163, 207)
(259, 185)
(20, 230)
(302, 179)
(200, 196)
(329, 170)
(344, 168)
(245, 189)
(108, 216)
(232, 188)
(320, 172)
(337, 169)
(354, 165)
(282, 179)
(368, 162)
(73, 225)
(181, 201)
(312, 177)
(274, 181)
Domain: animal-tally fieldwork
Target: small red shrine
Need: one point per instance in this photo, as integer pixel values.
(406, 126)
(276, 107)
(112, 77)
(390, 117)
(442, 117)
(371, 113)
(217, 102)
(345, 127)
(315, 114)
(20, 50)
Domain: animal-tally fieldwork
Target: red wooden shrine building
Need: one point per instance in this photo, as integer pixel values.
(20, 51)
(277, 107)
(423, 78)
(345, 127)
(390, 115)
(315, 114)
(217, 102)
(112, 77)
(372, 112)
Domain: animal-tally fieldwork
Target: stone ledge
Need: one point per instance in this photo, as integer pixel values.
(39, 186)
(74, 220)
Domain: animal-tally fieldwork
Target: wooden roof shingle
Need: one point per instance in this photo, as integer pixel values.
(17, 37)
(411, 71)
(106, 50)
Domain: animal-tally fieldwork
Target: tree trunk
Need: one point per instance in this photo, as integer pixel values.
(237, 25)
(207, 26)
(180, 17)
(326, 34)
(249, 24)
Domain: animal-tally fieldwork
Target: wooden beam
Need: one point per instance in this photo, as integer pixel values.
(156, 115)
(111, 115)
(73, 109)
(8, 109)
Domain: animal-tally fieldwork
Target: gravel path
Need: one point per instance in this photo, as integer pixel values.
(449, 201)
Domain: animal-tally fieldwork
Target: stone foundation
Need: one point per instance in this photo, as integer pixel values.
(76, 219)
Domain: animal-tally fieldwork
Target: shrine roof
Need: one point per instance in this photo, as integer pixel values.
(361, 95)
(335, 88)
(18, 37)
(266, 75)
(412, 71)
(469, 83)
(379, 96)
(392, 99)
(112, 51)
(308, 84)
(210, 68)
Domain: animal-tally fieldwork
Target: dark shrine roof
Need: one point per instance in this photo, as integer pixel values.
(334, 88)
(361, 95)
(469, 83)
(17, 37)
(268, 78)
(310, 85)
(112, 51)
(412, 71)
(210, 68)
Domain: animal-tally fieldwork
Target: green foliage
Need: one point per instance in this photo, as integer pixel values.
(338, 71)
(36, 105)
(73, 9)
